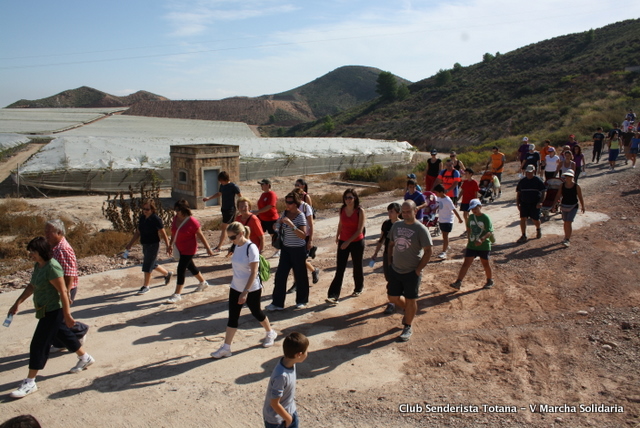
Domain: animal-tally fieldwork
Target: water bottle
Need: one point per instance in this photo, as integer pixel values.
(125, 255)
(371, 263)
(7, 321)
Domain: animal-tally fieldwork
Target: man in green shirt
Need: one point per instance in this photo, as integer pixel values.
(479, 244)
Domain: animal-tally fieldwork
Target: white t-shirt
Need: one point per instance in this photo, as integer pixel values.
(242, 269)
(308, 212)
(551, 163)
(445, 210)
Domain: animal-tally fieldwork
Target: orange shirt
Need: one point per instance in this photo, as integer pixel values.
(544, 152)
(497, 159)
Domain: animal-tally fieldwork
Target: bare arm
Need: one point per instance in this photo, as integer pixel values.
(361, 219)
(135, 237)
(26, 293)
(275, 405)
(202, 239)
(426, 256)
(580, 199)
(208, 198)
(58, 284)
(163, 236)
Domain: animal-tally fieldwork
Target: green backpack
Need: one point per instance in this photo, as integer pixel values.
(264, 267)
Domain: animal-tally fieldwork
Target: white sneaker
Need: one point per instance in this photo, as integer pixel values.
(566, 243)
(269, 338)
(301, 306)
(175, 298)
(24, 389)
(442, 255)
(82, 364)
(202, 286)
(272, 307)
(221, 353)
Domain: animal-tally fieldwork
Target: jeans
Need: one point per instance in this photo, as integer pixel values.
(294, 423)
(356, 249)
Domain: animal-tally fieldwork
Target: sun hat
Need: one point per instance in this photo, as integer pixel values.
(530, 168)
(434, 152)
(568, 173)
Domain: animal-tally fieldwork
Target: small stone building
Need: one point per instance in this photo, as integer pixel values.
(195, 168)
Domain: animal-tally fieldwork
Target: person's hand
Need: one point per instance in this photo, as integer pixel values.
(243, 297)
(288, 421)
(205, 199)
(418, 272)
(583, 210)
(344, 245)
(309, 245)
(169, 250)
(478, 242)
(374, 256)
(209, 252)
(69, 321)
(13, 309)
(459, 220)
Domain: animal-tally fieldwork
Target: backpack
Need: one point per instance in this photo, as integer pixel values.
(264, 267)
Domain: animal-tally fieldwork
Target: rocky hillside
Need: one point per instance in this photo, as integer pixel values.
(86, 97)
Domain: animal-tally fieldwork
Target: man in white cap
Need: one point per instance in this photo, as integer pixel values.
(478, 245)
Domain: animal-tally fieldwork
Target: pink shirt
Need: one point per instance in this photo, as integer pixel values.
(186, 240)
(350, 225)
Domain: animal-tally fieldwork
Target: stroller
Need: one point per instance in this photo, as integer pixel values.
(486, 187)
(430, 213)
(548, 207)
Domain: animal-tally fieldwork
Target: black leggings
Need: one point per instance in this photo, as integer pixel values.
(50, 327)
(597, 150)
(186, 262)
(253, 302)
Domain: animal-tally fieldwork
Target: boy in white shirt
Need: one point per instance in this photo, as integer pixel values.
(446, 210)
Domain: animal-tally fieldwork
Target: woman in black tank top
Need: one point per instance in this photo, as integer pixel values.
(571, 195)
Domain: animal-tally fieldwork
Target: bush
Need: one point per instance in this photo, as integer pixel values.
(372, 173)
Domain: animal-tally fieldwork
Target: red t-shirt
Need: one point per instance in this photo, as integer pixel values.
(350, 225)
(268, 198)
(186, 240)
(253, 223)
(470, 190)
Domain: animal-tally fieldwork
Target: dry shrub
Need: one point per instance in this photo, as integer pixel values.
(397, 182)
(213, 224)
(109, 243)
(328, 200)
(123, 213)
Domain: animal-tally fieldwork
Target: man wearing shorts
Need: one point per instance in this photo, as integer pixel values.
(227, 191)
(530, 193)
(409, 252)
(479, 244)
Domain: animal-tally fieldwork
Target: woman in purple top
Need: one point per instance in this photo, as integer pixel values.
(578, 158)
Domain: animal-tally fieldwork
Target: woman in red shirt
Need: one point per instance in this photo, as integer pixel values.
(251, 221)
(350, 240)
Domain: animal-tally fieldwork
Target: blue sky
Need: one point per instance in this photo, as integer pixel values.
(213, 49)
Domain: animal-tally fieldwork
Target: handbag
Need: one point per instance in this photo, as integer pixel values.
(276, 238)
(176, 252)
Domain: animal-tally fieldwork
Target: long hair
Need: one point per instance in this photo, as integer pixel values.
(237, 227)
(183, 206)
(303, 183)
(356, 199)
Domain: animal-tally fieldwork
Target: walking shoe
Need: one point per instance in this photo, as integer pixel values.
(566, 243)
(356, 293)
(315, 275)
(55, 349)
(276, 254)
(406, 334)
(221, 353)
(143, 290)
(331, 300)
(167, 279)
(300, 306)
(82, 364)
(175, 298)
(272, 307)
(24, 389)
(442, 255)
(456, 284)
(312, 252)
(292, 289)
(538, 233)
(522, 239)
(269, 338)
(202, 286)
(489, 284)
(391, 308)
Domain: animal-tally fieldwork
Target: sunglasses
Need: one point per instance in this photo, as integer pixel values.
(146, 209)
(349, 197)
(290, 202)
(232, 237)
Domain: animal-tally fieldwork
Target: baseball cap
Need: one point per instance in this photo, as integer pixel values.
(474, 203)
(434, 152)
(530, 168)
(551, 149)
(525, 139)
(265, 181)
(412, 175)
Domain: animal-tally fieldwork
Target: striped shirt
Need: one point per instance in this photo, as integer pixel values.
(289, 235)
(65, 255)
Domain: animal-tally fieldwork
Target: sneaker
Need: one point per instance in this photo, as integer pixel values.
(315, 275)
(566, 243)
(312, 252)
(356, 293)
(55, 349)
(538, 233)
(456, 284)
(202, 286)
(175, 298)
(390, 309)
(522, 239)
(167, 279)
(221, 353)
(143, 290)
(301, 306)
(276, 254)
(442, 255)
(489, 284)
(331, 300)
(292, 289)
(269, 339)
(406, 334)
(272, 307)
(24, 389)
(82, 364)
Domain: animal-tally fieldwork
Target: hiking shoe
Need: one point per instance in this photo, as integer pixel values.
(143, 290)
(522, 239)
(489, 284)
(300, 306)
(406, 334)
(331, 300)
(538, 233)
(292, 289)
(175, 298)
(269, 339)
(272, 307)
(356, 293)
(55, 349)
(315, 275)
(167, 279)
(221, 353)
(312, 252)
(456, 284)
(24, 389)
(566, 243)
(82, 364)
(202, 286)
(391, 308)
(442, 255)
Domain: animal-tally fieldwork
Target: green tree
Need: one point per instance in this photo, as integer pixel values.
(487, 57)
(589, 36)
(328, 124)
(387, 86)
(403, 92)
(443, 77)
(457, 66)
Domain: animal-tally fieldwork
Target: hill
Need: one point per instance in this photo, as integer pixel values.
(86, 97)
(338, 90)
(571, 83)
